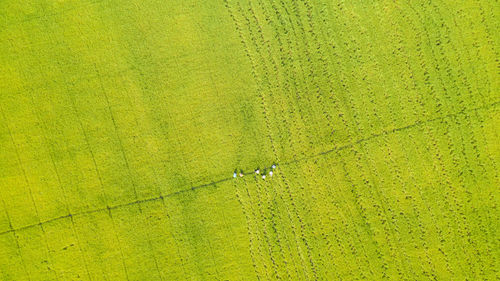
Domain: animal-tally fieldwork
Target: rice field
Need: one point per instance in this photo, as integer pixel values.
(122, 122)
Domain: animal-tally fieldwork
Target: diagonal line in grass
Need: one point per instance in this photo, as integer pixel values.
(214, 183)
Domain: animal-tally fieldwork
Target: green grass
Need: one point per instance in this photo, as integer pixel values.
(121, 123)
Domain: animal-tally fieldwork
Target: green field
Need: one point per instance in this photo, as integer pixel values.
(121, 123)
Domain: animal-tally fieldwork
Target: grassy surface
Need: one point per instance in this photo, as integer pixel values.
(121, 123)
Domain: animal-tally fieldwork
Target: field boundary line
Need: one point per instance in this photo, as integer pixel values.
(215, 183)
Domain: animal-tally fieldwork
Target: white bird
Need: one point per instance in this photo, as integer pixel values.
(273, 166)
(234, 175)
(263, 176)
(270, 173)
(257, 171)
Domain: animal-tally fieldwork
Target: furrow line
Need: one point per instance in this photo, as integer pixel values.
(215, 183)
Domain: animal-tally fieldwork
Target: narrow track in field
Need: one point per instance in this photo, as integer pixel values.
(215, 183)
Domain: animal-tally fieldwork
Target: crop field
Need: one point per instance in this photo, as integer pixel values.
(122, 122)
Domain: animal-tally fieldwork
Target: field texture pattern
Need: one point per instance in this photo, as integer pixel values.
(121, 123)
